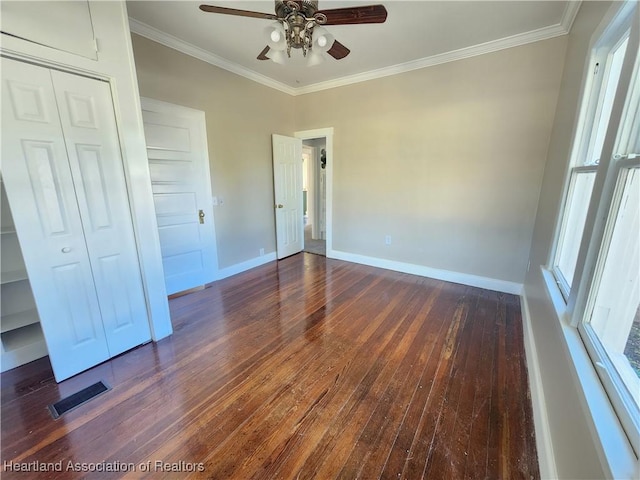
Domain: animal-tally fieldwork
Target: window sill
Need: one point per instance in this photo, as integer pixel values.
(616, 453)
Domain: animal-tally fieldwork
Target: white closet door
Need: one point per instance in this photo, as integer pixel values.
(40, 189)
(91, 137)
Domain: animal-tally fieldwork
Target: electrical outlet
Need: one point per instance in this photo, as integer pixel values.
(387, 240)
(261, 252)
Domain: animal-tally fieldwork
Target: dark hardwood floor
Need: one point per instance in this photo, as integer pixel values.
(304, 368)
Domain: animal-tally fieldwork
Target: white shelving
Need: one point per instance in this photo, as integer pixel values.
(13, 321)
(20, 332)
(23, 337)
(13, 275)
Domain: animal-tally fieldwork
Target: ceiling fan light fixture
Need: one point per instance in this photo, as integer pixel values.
(276, 36)
(322, 40)
(314, 58)
(298, 26)
(278, 56)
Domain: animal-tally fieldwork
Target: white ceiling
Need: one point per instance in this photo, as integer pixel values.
(416, 34)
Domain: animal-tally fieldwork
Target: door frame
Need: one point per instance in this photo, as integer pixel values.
(199, 116)
(327, 134)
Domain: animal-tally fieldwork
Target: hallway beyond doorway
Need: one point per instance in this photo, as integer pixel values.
(319, 247)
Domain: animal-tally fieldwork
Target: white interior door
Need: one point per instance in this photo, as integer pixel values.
(287, 182)
(93, 149)
(58, 192)
(40, 189)
(181, 182)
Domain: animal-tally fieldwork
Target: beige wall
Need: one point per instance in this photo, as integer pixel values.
(241, 116)
(575, 452)
(448, 160)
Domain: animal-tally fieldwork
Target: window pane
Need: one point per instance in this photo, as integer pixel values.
(615, 314)
(609, 86)
(573, 225)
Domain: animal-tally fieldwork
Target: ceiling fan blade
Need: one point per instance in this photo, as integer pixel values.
(355, 15)
(235, 11)
(338, 50)
(263, 53)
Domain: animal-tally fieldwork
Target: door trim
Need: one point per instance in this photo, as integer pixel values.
(327, 133)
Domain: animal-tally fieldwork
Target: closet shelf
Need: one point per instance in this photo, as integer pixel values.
(13, 276)
(22, 337)
(18, 320)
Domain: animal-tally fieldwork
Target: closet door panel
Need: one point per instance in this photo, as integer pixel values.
(40, 191)
(88, 123)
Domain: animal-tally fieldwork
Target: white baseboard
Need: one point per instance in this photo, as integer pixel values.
(544, 445)
(246, 265)
(445, 275)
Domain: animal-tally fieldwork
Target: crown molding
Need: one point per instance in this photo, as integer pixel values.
(170, 41)
(562, 28)
(496, 45)
(570, 13)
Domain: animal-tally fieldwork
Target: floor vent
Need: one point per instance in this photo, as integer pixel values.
(74, 401)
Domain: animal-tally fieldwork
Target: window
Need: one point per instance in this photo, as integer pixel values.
(612, 320)
(607, 67)
(596, 262)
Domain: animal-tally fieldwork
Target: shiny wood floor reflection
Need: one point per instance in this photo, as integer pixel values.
(305, 368)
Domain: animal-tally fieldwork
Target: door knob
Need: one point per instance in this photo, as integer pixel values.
(280, 205)
(66, 249)
(201, 216)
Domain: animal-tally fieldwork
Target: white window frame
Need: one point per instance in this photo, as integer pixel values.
(591, 110)
(617, 154)
(620, 398)
(563, 282)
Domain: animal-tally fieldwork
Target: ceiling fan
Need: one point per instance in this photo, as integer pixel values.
(298, 25)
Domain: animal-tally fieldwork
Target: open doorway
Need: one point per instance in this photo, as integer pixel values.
(314, 162)
(317, 153)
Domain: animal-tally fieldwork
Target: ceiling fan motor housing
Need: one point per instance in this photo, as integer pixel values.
(306, 7)
(298, 19)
